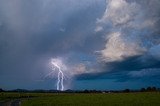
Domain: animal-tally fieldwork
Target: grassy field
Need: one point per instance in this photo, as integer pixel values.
(108, 99)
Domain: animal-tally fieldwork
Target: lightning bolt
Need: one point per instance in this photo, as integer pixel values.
(55, 65)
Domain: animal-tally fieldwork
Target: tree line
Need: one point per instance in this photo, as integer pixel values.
(148, 89)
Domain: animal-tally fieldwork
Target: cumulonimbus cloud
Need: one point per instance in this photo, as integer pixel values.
(118, 48)
(130, 30)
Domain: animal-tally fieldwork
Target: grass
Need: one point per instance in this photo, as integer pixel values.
(90, 99)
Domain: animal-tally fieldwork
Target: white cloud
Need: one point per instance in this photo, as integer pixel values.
(83, 68)
(78, 69)
(130, 14)
(131, 25)
(117, 48)
(119, 12)
(98, 28)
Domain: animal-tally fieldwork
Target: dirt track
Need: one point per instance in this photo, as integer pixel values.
(11, 103)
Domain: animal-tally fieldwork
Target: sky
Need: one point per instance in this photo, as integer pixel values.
(101, 44)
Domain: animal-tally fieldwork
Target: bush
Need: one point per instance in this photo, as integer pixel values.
(1, 90)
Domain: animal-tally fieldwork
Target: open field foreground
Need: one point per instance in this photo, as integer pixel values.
(80, 99)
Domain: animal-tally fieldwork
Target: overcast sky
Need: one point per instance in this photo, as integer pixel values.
(104, 44)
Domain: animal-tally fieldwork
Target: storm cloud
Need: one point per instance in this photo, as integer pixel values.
(95, 39)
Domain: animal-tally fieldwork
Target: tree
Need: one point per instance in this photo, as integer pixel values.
(1, 90)
(143, 89)
(154, 88)
(149, 88)
(126, 90)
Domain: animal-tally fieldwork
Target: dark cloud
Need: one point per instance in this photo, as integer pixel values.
(31, 32)
(97, 39)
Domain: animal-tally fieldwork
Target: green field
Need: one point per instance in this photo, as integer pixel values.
(90, 99)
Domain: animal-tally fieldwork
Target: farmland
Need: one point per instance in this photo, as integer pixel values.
(84, 99)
